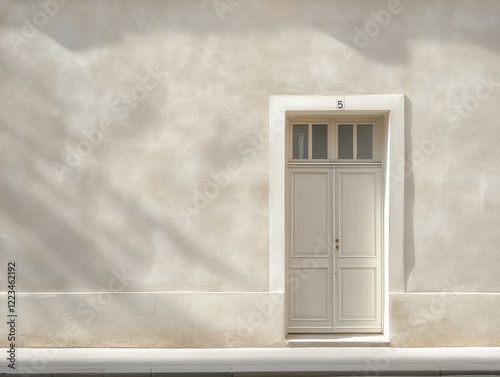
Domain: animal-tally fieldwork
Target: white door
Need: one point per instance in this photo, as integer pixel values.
(358, 236)
(309, 272)
(334, 245)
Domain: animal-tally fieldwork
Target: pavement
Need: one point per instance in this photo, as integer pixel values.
(254, 362)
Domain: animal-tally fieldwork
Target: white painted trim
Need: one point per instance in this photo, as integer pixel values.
(332, 163)
(389, 105)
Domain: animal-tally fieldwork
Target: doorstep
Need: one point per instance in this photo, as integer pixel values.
(344, 340)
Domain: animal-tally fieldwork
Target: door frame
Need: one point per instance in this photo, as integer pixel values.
(391, 107)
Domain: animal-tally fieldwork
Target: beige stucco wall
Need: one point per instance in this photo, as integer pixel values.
(173, 196)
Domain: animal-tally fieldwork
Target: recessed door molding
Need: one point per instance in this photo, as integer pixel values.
(391, 109)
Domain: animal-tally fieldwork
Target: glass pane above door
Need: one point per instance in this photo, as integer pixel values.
(365, 141)
(345, 141)
(319, 141)
(300, 141)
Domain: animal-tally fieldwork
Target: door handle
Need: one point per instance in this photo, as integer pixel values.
(337, 244)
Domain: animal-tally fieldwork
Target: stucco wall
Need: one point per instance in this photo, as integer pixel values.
(131, 144)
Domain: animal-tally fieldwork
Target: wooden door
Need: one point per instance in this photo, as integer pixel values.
(334, 246)
(309, 272)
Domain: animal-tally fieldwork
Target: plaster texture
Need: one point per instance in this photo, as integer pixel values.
(444, 319)
(151, 320)
(134, 158)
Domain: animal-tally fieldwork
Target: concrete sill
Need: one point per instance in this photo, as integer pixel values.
(342, 340)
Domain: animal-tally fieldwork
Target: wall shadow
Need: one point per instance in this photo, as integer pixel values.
(35, 117)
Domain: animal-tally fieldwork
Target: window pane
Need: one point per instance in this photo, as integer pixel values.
(320, 141)
(365, 141)
(300, 142)
(345, 142)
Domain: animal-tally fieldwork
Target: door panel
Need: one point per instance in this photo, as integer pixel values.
(358, 258)
(357, 293)
(357, 210)
(310, 298)
(310, 198)
(309, 271)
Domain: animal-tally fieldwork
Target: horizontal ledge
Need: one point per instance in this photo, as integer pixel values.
(386, 360)
(332, 163)
(31, 293)
(443, 293)
(147, 293)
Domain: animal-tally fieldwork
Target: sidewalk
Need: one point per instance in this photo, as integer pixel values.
(261, 362)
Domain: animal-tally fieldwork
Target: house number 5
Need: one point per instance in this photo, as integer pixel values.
(340, 104)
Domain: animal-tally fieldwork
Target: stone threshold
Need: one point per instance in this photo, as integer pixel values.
(338, 340)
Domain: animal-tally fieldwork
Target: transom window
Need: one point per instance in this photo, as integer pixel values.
(332, 140)
(310, 141)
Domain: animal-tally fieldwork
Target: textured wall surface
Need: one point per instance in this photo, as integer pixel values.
(131, 159)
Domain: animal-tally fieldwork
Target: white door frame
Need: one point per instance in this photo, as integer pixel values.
(391, 106)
